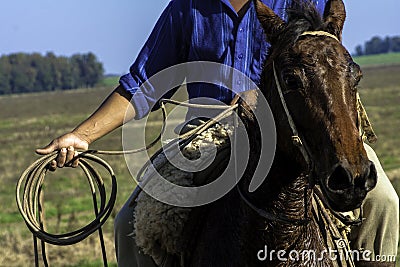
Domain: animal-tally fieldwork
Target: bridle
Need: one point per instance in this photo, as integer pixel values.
(296, 137)
(299, 143)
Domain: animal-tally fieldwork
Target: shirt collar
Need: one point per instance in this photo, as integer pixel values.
(228, 4)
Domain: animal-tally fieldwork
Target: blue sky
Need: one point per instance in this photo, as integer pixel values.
(115, 30)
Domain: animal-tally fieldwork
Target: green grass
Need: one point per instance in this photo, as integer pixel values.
(384, 76)
(109, 81)
(376, 60)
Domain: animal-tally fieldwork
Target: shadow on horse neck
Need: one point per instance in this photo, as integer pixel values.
(318, 79)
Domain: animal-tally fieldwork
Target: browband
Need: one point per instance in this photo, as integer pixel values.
(320, 33)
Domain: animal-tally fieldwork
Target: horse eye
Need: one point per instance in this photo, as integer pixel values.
(293, 82)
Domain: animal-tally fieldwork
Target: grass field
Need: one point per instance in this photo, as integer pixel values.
(109, 81)
(378, 60)
(31, 121)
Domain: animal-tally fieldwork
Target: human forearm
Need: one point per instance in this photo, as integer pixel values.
(111, 114)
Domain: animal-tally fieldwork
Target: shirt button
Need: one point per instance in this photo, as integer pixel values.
(238, 82)
(240, 29)
(240, 56)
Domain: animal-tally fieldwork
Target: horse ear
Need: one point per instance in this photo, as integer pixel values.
(271, 23)
(334, 17)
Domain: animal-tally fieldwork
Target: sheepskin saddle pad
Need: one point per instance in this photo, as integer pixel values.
(158, 227)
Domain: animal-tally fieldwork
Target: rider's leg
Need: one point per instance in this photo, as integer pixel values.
(378, 234)
(128, 254)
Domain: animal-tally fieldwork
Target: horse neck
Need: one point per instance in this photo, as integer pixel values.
(286, 188)
(286, 194)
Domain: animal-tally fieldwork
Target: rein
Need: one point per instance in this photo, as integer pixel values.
(275, 217)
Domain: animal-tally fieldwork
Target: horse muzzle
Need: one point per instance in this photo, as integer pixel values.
(346, 192)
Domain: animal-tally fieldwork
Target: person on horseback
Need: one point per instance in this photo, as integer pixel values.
(227, 32)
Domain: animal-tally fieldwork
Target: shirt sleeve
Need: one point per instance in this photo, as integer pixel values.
(164, 48)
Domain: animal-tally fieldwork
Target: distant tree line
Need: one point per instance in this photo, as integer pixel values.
(21, 72)
(378, 45)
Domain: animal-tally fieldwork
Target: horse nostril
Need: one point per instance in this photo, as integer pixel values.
(367, 181)
(340, 179)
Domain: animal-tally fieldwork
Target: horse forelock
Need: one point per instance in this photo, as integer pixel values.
(301, 16)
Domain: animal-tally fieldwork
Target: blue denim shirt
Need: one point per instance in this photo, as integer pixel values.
(201, 30)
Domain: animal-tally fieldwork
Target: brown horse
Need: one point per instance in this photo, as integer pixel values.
(318, 79)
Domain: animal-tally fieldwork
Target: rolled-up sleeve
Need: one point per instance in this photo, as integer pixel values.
(165, 47)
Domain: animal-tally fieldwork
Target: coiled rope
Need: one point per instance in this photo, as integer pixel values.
(32, 209)
(29, 189)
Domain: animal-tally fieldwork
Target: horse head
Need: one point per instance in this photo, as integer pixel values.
(319, 81)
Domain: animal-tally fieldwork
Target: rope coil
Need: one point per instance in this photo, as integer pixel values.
(29, 199)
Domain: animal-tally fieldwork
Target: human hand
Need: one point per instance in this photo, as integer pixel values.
(66, 145)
